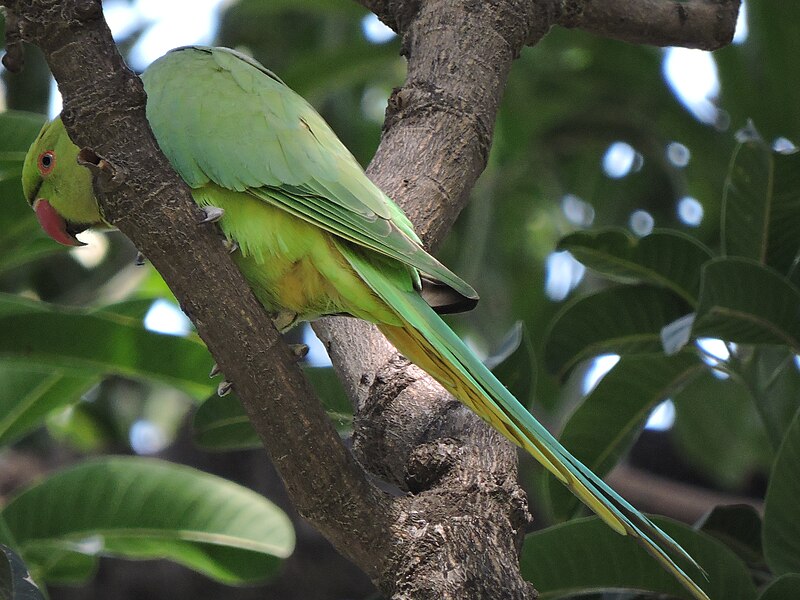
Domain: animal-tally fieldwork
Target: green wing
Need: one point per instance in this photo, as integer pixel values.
(221, 117)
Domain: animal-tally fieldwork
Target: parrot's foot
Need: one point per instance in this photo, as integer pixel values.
(285, 320)
(215, 370)
(299, 350)
(224, 388)
(140, 260)
(213, 214)
(231, 245)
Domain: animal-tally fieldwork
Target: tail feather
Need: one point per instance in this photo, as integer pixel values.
(428, 342)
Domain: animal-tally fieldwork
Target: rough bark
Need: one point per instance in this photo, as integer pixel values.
(457, 532)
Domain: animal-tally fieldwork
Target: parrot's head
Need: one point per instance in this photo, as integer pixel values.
(59, 189)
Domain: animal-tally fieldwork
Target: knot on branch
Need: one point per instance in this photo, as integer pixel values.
(429, 463)
(14, 58)
(421, 99)
(388, 429)
(107, 176)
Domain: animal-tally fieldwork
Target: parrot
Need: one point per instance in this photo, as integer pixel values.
(314, 236)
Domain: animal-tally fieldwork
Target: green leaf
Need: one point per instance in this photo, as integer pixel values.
(717, 429)
(220, 423)
(738, 526)
(15, 581)
(145, 508)
(783, 588)
(781, 506)
(19, 130)
(619, 320)
(664, 258)
(773, 379)
(761, 206)
(585, 556)
(90, 343)
(30, 392)
(604, 427)
(742, 301)
(60, 567)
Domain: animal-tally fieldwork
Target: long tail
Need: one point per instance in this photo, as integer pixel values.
(427, 341)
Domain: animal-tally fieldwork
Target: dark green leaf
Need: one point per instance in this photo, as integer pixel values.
(738, 526)
(781, 506)
(664, 258)
(220, 423)
(90, 343)
(15, 581)
(773, 378)
(761, 209)
(145, 508)
(28, 393)
(626, 319)
(783, 588)
(718, 430)
(19, 130)
(59, 566)
(606, 424)
(585, 556)
(742, 301)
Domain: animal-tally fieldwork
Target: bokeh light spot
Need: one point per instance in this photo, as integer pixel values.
(375, 31)
(619, 160)
(600, 366)
(641, 222)
(678, 154)
(577, 211)
(662, 418)
(690, 211)
(563, 274)
(146, 437)
(165, 317)
(692, 76)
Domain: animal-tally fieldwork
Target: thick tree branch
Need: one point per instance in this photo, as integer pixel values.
(142, 195)
(704, 24)
(469, 512)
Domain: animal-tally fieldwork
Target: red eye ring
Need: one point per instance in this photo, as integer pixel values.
(47, 162)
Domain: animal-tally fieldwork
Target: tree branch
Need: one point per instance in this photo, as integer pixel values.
(142, 195)
(704, 24)
(469, 513)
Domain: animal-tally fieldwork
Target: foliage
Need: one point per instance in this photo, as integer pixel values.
(78, 368)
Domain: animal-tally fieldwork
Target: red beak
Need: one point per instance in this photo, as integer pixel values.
(54, 224)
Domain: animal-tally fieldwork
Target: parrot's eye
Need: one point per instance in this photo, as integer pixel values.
(47, 161)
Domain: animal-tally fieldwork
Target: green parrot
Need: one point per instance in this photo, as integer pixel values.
(315, 237)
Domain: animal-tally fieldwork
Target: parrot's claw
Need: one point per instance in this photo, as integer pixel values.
(140, 260)
(284, 320)
(231, 245)
(224, 388)
(213, 214)
(215, 370)
(299, 350)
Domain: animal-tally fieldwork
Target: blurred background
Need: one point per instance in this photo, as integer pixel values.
(592, 133)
